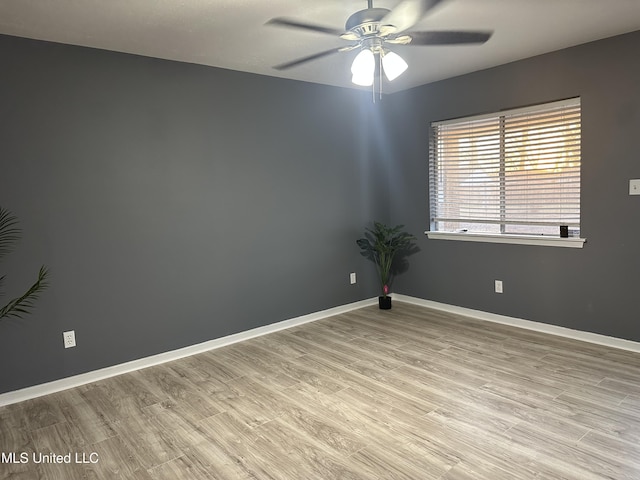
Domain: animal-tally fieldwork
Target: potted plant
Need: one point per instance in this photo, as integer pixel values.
(9, 235)
(382, 245)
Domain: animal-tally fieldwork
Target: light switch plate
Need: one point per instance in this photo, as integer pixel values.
(634, 187)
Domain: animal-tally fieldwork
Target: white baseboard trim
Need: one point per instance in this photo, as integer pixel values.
(93, 376)
(596, 338)
(96, 375)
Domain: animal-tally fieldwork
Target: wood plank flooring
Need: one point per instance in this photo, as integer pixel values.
(408, 393)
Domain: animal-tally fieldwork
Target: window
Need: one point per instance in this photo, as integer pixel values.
(513, 173)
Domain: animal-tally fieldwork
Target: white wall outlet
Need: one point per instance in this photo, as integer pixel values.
(69, 338)
(634, 187)
(498, 286)
(352, 277)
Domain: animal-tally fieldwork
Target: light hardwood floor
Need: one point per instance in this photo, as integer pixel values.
(403, 394)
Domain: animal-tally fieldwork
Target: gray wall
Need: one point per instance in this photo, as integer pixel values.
(174, 203)
(594, 289)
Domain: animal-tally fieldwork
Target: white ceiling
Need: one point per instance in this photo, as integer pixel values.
(232, 33)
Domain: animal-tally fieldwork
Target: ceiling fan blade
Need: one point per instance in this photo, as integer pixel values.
(448, 37)
(407, 13)
(299, 61)
(285, 22)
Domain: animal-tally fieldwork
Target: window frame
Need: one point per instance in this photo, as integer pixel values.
(503, 237)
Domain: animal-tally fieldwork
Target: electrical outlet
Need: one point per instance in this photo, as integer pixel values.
(352, 278)
(634, 187)
(69, 338)
(498, 286)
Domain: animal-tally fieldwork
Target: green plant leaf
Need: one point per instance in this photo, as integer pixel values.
(382, 245)
(9, 232)
(22, 305)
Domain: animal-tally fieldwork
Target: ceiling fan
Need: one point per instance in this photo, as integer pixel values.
(373, 30)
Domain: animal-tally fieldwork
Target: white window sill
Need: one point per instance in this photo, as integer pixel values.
(546, 241)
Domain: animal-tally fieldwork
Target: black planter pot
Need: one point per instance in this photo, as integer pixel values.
(384, 303)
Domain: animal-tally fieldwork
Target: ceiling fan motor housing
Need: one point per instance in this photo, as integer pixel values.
(366, 22)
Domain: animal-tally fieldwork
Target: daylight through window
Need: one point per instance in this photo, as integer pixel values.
(513, 172)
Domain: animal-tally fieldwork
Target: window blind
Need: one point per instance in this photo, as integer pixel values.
(516, 171)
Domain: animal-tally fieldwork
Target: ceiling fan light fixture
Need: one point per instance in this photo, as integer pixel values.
(393, 65)
(363, 68)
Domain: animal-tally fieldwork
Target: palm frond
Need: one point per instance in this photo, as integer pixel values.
(22, 305)
(9, 232)
(384, 245)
